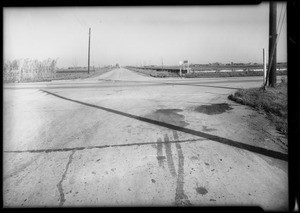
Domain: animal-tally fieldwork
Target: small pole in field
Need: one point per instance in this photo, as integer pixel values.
(264, 65)
(89, 51)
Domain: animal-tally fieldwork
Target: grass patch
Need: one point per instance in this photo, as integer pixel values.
(154, 73)
(81, 74)
(199, 74)
(228, 74)
(273, 101)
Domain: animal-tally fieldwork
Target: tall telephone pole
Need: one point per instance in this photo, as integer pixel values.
(89, 51)
(272, 44)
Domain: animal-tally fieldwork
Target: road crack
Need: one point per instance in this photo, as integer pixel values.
(100, 147)
(59, 185)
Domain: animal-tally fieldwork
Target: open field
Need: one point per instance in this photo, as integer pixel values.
(216, 68)
(228, 74)
(199, 74)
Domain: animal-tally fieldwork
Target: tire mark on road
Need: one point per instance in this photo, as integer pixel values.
(181, 199)
(20, 167)
(59, 185)
(159, 154)
(255, 149)
(169, 156)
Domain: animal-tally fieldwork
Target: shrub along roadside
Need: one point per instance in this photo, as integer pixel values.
(273, 101)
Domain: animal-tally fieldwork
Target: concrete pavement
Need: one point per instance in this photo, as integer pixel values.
(122, 139)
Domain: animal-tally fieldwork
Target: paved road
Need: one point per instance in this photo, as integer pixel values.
(122, 139)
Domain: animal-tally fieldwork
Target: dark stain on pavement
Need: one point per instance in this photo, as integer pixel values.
(169, 116)
(194, 158)
(213, 109)
(206, 129)
(153, 181)
(201, 190)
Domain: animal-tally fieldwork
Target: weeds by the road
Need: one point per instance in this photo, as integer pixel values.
(273, 101)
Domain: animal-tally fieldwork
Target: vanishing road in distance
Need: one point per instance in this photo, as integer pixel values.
(124, 139)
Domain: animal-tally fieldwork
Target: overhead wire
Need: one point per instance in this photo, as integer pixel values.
(279, 16)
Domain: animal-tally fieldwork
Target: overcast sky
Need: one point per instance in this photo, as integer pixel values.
(141, 35)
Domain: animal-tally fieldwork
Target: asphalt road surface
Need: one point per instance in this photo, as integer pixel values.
(123, 139)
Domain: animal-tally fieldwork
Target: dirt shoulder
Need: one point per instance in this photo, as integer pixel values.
(272, 101)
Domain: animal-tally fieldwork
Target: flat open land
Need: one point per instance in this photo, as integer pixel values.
(123, 139)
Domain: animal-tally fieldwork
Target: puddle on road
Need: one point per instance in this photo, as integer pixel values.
(213, 108)
(169, 116)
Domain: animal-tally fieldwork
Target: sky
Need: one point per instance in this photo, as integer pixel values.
(142, 35)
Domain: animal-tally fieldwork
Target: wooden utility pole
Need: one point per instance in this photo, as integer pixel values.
(264, 65)
(272, 43)
(89, 51)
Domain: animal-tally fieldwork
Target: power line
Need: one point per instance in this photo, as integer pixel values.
(280, 16)
(282, 23)
(82, 24)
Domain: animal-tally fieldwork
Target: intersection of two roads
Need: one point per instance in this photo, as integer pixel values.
(123, 139)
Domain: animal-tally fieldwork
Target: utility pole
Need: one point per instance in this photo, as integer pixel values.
(89, 51)
(272, 43)
(264, 65)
